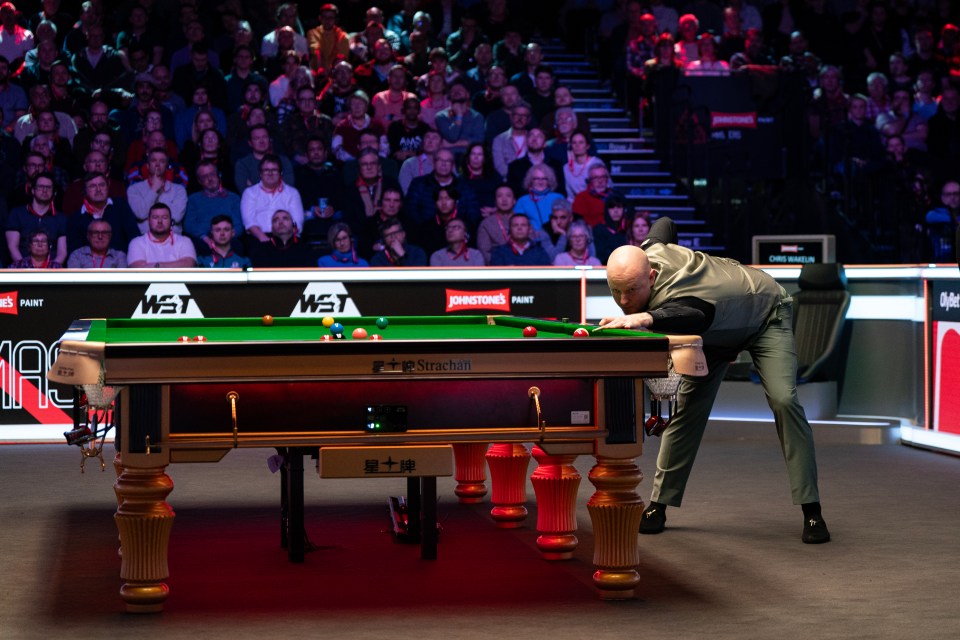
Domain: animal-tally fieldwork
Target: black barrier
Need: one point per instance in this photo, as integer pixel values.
(35, 309)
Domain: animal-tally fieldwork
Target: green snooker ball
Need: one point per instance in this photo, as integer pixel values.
(382, 322)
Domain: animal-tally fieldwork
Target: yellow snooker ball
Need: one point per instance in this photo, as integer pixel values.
(328, 322)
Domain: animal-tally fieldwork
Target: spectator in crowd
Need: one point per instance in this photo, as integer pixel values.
(589, 203)
(328, 41)
(477, 170)
(420, 205)
(39, 213)
(282, 247)
(319, 181)
(368, 234)
(494, 230)
(830, 103)
(346, 135)
(457, 252)
(431, 234)
(754, 52)
(565, 125)
(343, 253)
(924, 97)
(211, 201)
(553, 234)
(525, 79)
(878, 97)
(462, 44)
(519, 250)
(639, 228)
(247, 169)
(901, 119)
(336, 93)
(161, 247)
(361, 198)
(477, 76)
(157, 187)
(707, 63)
(540, 191)
(535, 155)
(855, 144)
(487, 100)
(372, 75)
(98, 205)
(259, 201)
(288, 22)
(396, 252)
(579, 164)
(562, 99)
(541, 98)
(501, 120)
(15, 41)
(224, 246)
(508, 52)
(405, 135)
(38, 253)
(579, 239)
(417, 59)
(40, 100)
(242, 74)
(459, 125)
(687, 47)
(97, 253)
(435, 97)
(307, 122)
(421, 164)
(389, 105)
(512, 143)
(612, 232)
(941, 223)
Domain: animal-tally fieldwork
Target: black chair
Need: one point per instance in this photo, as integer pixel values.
(819, 318)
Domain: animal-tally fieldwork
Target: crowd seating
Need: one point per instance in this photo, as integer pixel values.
(126, 80)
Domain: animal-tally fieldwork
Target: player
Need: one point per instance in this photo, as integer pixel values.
(662, 286)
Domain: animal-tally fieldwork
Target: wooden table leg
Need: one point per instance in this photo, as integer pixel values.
(508, 478)
(144, 520)
(615, 510)
(555, 483)
(471, 472)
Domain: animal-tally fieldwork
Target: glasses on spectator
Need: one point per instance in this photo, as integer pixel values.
(43, 187)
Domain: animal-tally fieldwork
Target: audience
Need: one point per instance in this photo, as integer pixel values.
(428, 87)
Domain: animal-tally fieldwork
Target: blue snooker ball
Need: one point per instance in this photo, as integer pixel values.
(336, 328)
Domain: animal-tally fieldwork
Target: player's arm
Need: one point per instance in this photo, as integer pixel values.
(683, 315)
(663, 231)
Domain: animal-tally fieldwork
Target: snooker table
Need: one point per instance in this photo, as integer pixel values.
(193, 389)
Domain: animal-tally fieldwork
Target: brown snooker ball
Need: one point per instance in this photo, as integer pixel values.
(267, 320)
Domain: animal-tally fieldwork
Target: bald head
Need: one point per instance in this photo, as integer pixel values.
(630, 278)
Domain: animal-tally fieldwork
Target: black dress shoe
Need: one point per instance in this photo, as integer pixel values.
(814, 531)
(654, 518)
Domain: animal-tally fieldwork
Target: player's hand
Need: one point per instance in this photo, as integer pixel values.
(641, 320)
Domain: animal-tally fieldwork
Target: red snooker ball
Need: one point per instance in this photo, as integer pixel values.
(183, 339)
(199, 339)
(359, 333)
(376, 336)
(530, 332)
(327, 337)
(581, 333)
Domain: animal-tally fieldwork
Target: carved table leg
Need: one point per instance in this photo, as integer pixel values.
(144, 521)
(508, 478)
(555, 482)
(471, 472)
(615, 511)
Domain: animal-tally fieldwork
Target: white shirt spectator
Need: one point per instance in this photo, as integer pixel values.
(150, 250)
(257, 206)
(15, 45)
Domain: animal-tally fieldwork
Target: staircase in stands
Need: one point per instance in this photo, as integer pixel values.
(635, 169)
